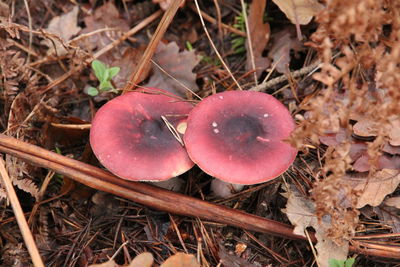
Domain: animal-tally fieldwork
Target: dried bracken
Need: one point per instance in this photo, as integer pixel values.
(359, 79)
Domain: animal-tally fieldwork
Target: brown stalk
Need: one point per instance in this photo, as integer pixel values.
(20, 217)
(158, 198)
(151, 48)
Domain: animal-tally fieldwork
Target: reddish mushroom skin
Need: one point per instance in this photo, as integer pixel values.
(130, 138)
(238, 137)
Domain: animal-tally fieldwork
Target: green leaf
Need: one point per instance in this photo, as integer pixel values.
(113, 71)
(341, 263)
(106, 76)
(349, 262)
(105, 85)
(92, 91)
(189, 46)
(99, 69)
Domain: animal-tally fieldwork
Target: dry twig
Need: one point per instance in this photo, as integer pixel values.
(161, 199)
(19, 215)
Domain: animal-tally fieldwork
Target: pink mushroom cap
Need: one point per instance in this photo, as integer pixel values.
(130, 138)
(237, 136)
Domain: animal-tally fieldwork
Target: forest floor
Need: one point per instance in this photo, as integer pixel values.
(334, 64)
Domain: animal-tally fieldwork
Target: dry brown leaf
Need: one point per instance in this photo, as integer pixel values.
(127, 61)
(389, 216)
(177, 64)
(394, 150)
(394, 132)
(299, 11)
(259, 34)
(181, 260)
(106, 16)
(365, 127)
(362, 163)
(301, 213)
(393, 202)
(374, 189)
(142, 260)
(64, 26)
(283, 42)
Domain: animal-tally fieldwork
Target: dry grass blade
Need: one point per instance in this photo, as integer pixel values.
(105, 49)
(158, 198)
(215, 48)
(19, 215)
(253, 64)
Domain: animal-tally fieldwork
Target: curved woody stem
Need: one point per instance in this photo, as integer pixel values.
(158, 198)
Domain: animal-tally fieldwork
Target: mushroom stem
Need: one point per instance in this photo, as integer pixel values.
(174, 184)
(223, 189)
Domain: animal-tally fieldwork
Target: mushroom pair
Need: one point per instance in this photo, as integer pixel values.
(235, 136)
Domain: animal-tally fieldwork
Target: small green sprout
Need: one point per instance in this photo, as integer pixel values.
(189, 46)
(104, 74)
(341, 263)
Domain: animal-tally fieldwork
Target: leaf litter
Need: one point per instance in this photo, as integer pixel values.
(352, 111)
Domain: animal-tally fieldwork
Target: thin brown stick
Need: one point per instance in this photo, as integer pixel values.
(129, 33)
(105, 49)
(161, 199)
(145, 194)
(151, 48)
(214, 47)
(20, 217)
(303, 71)
(249, 41)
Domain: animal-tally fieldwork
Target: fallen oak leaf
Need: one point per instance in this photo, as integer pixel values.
(301, 213)
(373, 189)
(177, 65)
(283, 43)
(106, 16)
(389, 216)
(65, 26)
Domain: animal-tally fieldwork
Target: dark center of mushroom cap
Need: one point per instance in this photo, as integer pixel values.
(241, 136)
(242, 130)
(151, 128)
(143, 135)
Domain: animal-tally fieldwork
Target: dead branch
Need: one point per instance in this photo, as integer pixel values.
(161, 199)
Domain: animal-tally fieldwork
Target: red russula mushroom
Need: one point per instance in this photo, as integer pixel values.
(132, 140)
(237, 136)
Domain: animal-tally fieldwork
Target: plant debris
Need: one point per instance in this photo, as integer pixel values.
(334, 64)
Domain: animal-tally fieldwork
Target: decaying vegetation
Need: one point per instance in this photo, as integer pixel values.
(334, 63)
